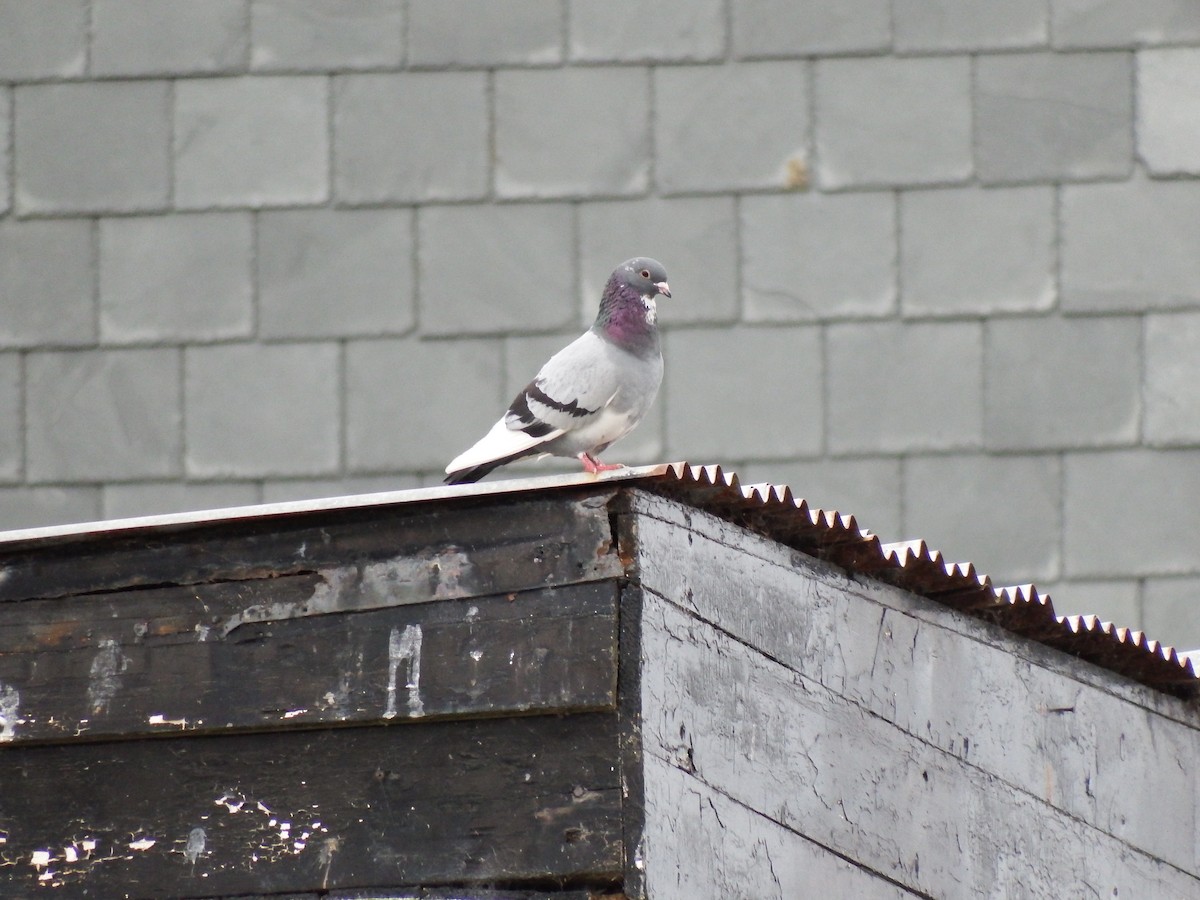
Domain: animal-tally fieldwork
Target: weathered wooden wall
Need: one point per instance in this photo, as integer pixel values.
(810, 734)
(547, 695)
(377, 697)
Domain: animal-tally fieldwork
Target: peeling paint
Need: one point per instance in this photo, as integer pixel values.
(292, 713)
(160, 719)
(194, 848)
(405, 647)
(10, 709)
(142, 843)
(105, 677)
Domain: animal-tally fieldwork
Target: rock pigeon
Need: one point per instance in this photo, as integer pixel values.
(592, 392)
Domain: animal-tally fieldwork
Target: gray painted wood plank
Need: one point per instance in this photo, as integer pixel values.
(953, 684)
(700, 843)
(787, 747)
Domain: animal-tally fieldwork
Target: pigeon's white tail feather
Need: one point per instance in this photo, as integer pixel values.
(499, 443)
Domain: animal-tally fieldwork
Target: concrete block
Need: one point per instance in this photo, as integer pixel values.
(1113, 601)
(1172, 379)
(126, 501)
(98, 147)
(335, 273)
(650, 31)
(764, 375)
(47, 283)
(789, 28)
(43, 40)
(817, 256)
(1130, 246)
(251, 141)
(102, 414)
(966, 251)
(1131, 512)
(491, 269)
(480, 33)
(709, 138)
(523, 356)
(865, 488)
(415, 405)
(1053, 116)
(1000, 512)
(884, 121)
(34, 507)
(1123, 23)
(307, 35)
(277, 491)
(393, 135)
(252, 410)
(1172, 611)
(1168, 128)
(182, 277)
(1056, 383)
(897, 387)
(167, 37)
(694, 237)
(10, 412)
(599, 143)
(935, 25)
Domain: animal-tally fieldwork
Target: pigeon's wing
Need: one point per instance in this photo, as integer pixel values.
(568, 393)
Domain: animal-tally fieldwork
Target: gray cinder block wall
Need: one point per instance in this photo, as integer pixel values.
(935, 262)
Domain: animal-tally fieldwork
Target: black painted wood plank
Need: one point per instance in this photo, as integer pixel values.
(166, 660)
(429, 551)
(505, 801)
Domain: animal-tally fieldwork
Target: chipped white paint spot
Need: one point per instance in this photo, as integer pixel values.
(194, 848)
(477, 655)
(88, 845)
(405, 647)
(292, 713)
(10, 708)
(105, 676)
(160, 719)
(39, 859)
(472, 614)
(202, 632)
(142, 843)
(231, 803)
(70, 854)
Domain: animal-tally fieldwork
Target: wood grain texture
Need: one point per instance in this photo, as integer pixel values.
(1044, 724)
(700, 843)
(801, 755)
(419, 552)
(154, 669)
(501, 801)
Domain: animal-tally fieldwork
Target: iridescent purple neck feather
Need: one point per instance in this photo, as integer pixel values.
(626, 319)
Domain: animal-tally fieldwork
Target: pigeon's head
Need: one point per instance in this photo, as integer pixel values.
(645, 275)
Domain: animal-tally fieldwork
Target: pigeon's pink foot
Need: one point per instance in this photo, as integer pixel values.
(593, 466)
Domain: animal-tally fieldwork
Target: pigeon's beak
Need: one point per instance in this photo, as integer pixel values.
(663, 288)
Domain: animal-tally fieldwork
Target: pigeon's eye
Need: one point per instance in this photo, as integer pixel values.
(645, 273)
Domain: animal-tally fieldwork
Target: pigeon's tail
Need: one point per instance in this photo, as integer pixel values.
(471, 474)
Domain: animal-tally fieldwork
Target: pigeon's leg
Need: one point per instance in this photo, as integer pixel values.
(592, 466)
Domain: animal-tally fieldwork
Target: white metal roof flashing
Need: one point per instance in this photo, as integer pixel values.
(171, 521)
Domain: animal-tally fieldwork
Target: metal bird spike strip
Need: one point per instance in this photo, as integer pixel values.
(773, 510)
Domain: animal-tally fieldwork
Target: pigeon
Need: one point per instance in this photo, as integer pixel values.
(592, 392)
